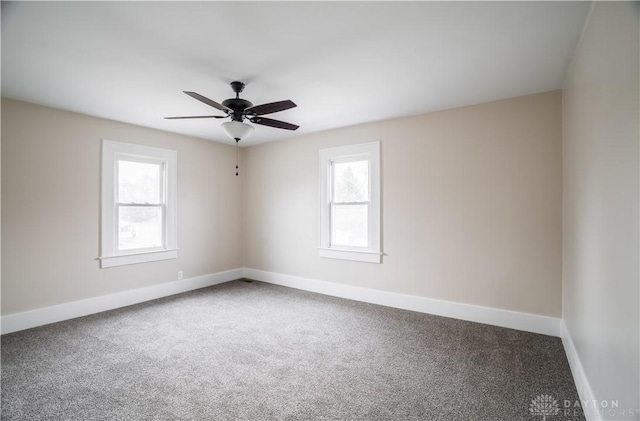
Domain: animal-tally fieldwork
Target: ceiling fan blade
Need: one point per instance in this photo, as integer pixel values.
(272, 107)
(207, 101)
(273, 123)
(196, 116)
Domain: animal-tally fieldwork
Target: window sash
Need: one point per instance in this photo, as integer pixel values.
(332, 177)
(332, 226)
(163, 227)
(162, 176)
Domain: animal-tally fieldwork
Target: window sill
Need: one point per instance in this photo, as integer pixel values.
(130, 259)
(356, 256)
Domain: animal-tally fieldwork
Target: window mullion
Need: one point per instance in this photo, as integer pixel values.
(147, 204)
(350, 203)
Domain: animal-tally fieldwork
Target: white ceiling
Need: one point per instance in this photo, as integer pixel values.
(343, 63)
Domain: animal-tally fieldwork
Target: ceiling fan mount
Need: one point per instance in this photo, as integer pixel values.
(239, 109)
(237, 87)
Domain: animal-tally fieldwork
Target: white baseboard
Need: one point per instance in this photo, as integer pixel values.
(591, 412)
(487, 315)
(492, 316)
(42, 316)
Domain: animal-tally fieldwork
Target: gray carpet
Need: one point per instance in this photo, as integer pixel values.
(254, 351)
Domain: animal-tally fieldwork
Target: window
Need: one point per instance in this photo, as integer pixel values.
(138, 217)
(350, 202)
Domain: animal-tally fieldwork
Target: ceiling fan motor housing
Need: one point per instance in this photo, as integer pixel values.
(237, 106)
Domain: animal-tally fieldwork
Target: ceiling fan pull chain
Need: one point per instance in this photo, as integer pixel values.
(237, 157)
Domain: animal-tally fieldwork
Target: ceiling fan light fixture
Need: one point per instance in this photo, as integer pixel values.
(237, 130)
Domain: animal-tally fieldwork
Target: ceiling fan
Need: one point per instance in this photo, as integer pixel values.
(239, 109)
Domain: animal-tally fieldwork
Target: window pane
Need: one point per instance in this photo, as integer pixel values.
(349, 225)
(351, 181)
(139, 182)
(139, 227)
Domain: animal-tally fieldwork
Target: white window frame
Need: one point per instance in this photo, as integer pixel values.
(112, 153)
(359, 152)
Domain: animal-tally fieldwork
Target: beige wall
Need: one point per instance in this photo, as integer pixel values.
(601, 211)
(50, 208)
(472, 205)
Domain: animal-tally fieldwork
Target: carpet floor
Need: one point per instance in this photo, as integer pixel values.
(255, 351)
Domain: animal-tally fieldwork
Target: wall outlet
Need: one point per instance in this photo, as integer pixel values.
(180, 274)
